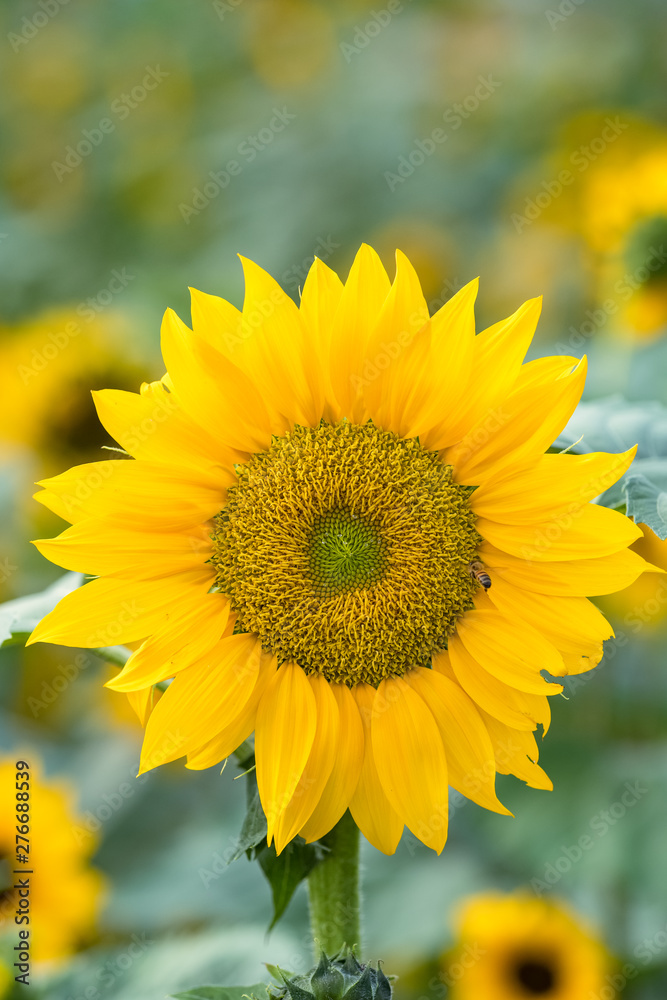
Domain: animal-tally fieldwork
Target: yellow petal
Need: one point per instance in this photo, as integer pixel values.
(285, 731)
(410, 761)
(572, 624)
(239, 729)
(581, 663)
(201, 699)
(392, 362)
(498, 353)
(143, 702)
(358, 309)
(213, 391)
(319, 300)
(318, 767)
(470, 758)
(578, 577)
(152, 426)
(510, 650)
(588, 532)
(276, 352)
(546, 489)
(441, 390)
(97, 547)
(216, 321)
(516, 753)
(519, 430)
(344, 777)
(109, 612)
(369, 805)
(515, 708)
(191, 629)
(146, 496)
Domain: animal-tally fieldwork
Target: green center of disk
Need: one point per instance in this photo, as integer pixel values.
(345, 553)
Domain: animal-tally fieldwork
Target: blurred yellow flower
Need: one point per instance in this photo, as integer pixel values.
(644, 602)
(616, 200)
(65, 892)
(48, 366)
(519, 946)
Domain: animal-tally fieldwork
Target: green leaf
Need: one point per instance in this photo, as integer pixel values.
(253, 831)
(278, 974)
(615, 425)
(284, 872)
(287, 870)
(223, 993)
(646, 503)
(18, 618)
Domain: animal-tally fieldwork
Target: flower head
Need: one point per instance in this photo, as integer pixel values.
(518, 946)
(318, 500)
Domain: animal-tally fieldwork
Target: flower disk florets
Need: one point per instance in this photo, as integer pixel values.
(346, 549)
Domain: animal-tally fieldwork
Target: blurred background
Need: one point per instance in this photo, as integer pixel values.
(144, 145)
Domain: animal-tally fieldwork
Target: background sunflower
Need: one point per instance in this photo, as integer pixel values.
(65, 891)
(519, 946)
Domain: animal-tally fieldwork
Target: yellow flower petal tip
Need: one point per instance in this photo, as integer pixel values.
(400, 562)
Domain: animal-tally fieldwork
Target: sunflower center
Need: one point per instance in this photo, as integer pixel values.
(346, 552)
(535, 976)
(346, 549)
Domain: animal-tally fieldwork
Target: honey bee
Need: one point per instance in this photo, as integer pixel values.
(478, 570)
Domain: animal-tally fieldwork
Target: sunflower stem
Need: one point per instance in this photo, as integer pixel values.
(333, 890)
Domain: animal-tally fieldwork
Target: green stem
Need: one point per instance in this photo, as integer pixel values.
(333, 889)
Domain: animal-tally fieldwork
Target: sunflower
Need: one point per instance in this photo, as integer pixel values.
(48, 364)
(617, 203)
(518, 946)
(65, 892)
(318, 499)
